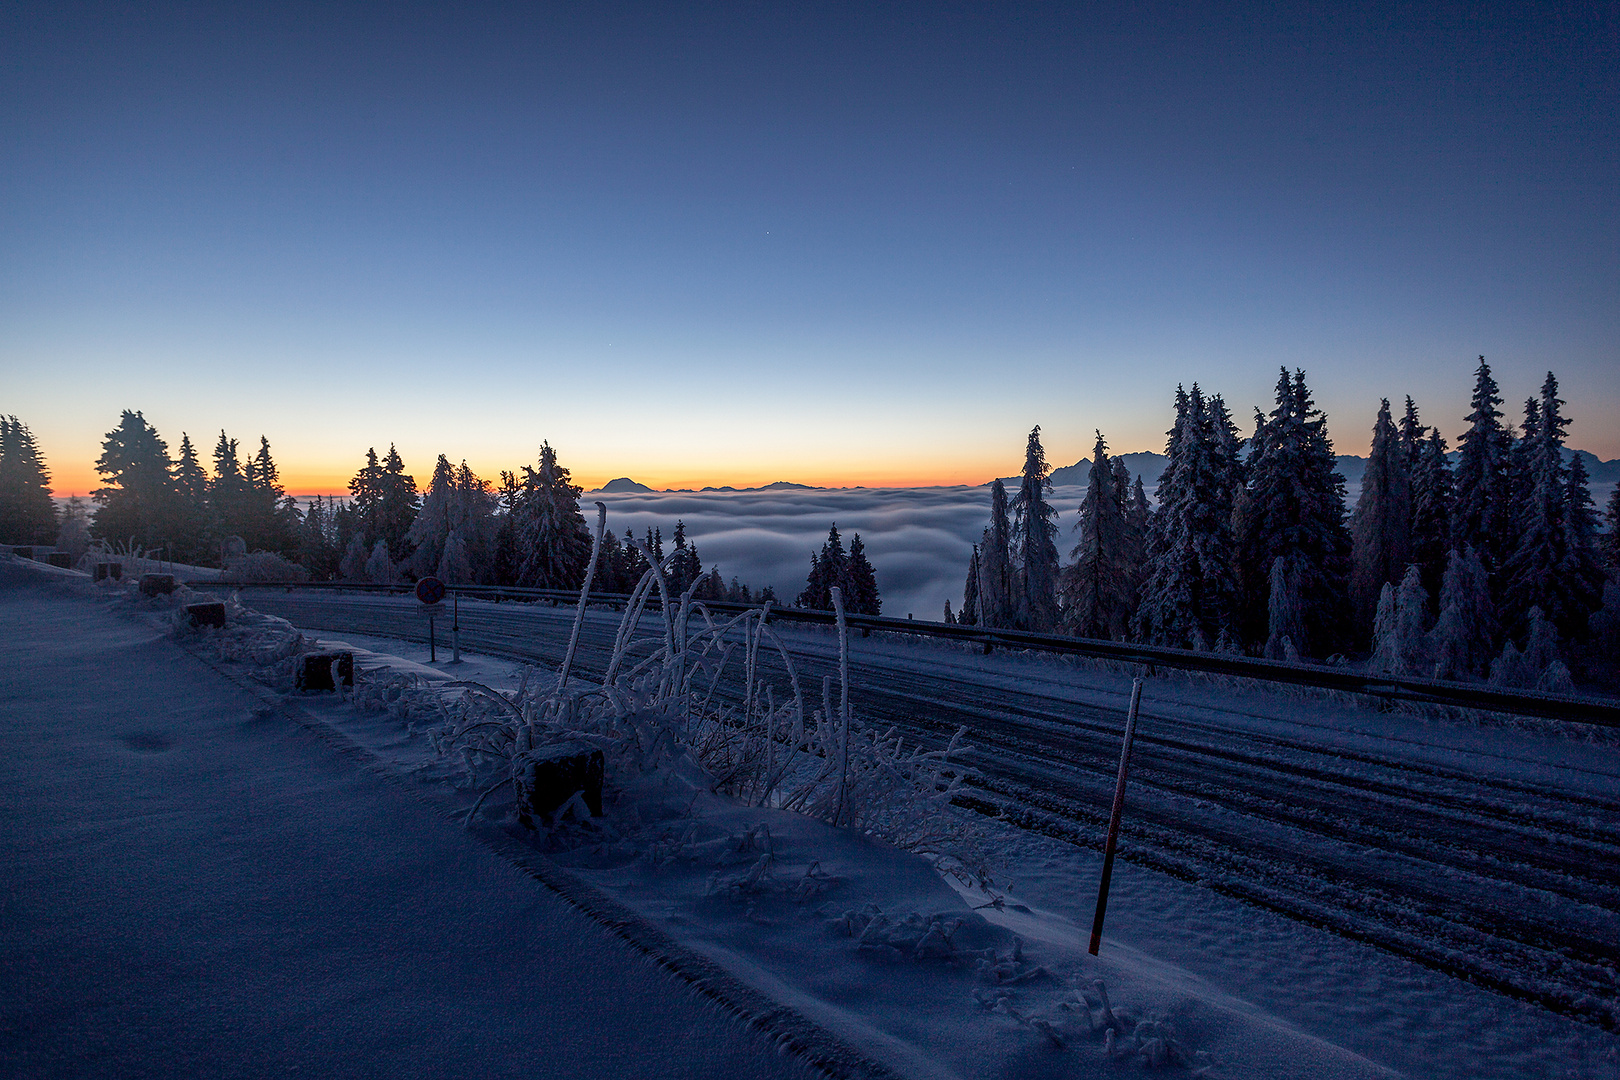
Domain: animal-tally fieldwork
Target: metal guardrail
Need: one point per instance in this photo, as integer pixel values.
(1424, 691)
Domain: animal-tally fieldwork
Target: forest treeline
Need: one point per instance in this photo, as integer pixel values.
(1495, 566)
(527, 530)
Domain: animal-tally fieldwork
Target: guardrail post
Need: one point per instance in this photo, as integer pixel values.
(1113, 818)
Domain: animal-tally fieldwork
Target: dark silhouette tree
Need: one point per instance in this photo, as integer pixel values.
(1295, 512)
(551, 533)
(1099, 590)
(27, 513)
(138, 499)
(1481, 506)
(1034, 544)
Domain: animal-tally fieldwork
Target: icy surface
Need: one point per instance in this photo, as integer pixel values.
(210, 852)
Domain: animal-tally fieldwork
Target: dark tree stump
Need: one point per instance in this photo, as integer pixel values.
(157, 584)
(106, 570)
(23, 552)
(208, 614)
(60, 559)
(325, 670)
(561, 771)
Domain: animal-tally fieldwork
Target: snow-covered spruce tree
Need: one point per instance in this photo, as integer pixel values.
(27, 514)
(1295, 510)
(1431, 510)
(319, 547)
(385, 501)
(1284, 619)
(1466, 630)
(1381, 527)
(457, 503)
(551, 535)
(1034, 544)
(995, 564)
(1400, 645)
(1098, 587)
(138, 499)
(860, 582)
(1545, 571)
(352, 566)
(1481, 515)
(969, 615)
(1189, 588)
(685, 566)
(380, 567)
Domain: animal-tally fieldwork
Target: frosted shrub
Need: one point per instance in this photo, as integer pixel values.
(658, 703)
(262, 566)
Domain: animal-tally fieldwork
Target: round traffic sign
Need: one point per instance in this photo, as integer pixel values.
(430, 590)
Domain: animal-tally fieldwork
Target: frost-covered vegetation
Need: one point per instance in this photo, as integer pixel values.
(1490, 566)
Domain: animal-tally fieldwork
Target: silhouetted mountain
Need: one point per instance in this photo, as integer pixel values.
(623, 484)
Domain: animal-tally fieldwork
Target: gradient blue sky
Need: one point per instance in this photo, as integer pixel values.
(856, 244)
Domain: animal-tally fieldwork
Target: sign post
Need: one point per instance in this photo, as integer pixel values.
(455, 628)
(430, 590)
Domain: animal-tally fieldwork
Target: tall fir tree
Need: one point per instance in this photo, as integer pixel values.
(685, 566)
(969, 615)
(1544, 571)
(1034, 544)
(828, 568)
(1482, 504)
(995, 564)
(1295, 511)
(138, 498)
(860, 582)
(1431, 510)
(1381, 527)
(228, 493)
(27, 513)
(552, 535)
(1189, 596)
(1611, 539)
(192, 514)
(1099, 594)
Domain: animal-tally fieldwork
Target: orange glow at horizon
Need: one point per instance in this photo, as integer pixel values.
(83, 480)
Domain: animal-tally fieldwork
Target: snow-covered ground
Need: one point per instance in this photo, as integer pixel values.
(917, 970)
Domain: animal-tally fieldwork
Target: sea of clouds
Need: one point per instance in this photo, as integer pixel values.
(918, 539)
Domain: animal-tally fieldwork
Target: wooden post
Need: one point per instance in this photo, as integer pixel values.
(433, 647)
(1113, 819)
(455, 628)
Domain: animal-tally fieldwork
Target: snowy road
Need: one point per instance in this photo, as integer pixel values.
(1490, 853)
(196, 886)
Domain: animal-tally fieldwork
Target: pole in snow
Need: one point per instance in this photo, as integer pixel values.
(455, 628)
(1113, 819)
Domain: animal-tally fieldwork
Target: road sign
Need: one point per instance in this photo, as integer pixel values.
(430, 590)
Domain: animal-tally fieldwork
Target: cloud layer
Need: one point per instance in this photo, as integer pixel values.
(919, 539)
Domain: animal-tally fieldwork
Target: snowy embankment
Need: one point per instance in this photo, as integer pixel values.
(929, 974)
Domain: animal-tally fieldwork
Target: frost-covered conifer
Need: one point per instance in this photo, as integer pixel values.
(1098, 587)
(1188, 593)
(380, 567)
(1431, 510)
(1295, 510)
(995, 564)
(73, 536)
(352, 566)
(1481, 508)
(1285, 621)
(1034, 544)
(1465, 633)
(455, 568)
(1544, 571)
(1400, 641)
(1381, 527)
(27, 514)
(552, 540)
(1611, 539)
(969, 615)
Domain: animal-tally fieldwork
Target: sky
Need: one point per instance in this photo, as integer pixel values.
(835, 244)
